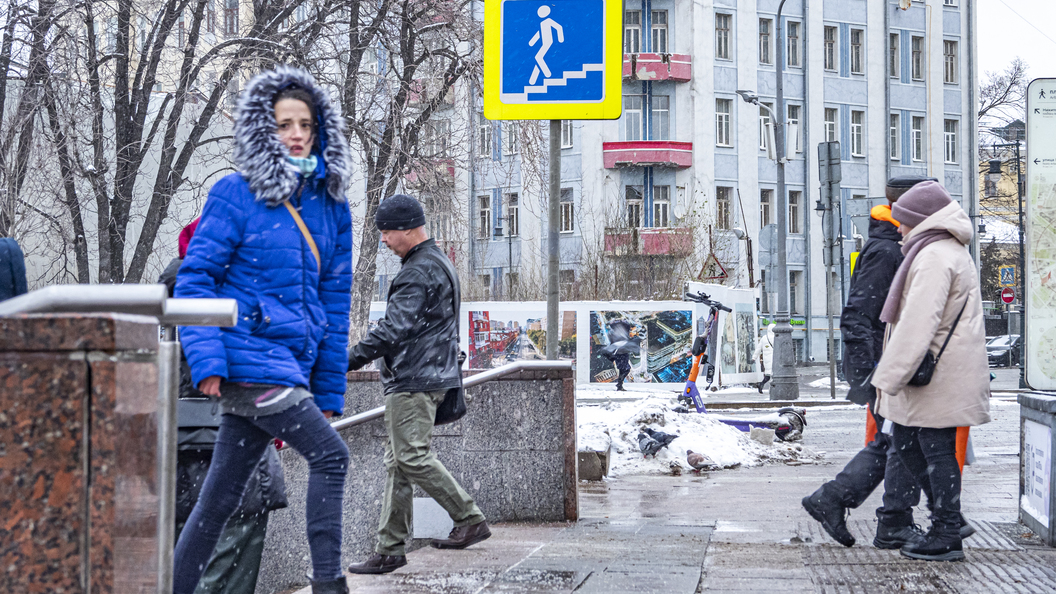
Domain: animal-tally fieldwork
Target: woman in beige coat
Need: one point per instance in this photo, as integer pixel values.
(936, 289)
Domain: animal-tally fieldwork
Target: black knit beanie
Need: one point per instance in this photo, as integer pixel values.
(399, 212)
(896, 186)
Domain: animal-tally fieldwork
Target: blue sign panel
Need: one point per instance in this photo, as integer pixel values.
(552, 51)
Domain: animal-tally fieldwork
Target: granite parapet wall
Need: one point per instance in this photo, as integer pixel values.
(514, 452)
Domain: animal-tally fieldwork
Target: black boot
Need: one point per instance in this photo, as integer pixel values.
(338, 586)
(966, 529)
(937, 545)
(832, 515)
(895, 537)
(379, 564)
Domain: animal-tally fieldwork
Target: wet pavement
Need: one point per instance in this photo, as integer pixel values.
(743, 530)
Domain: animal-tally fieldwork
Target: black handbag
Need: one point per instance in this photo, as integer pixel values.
(927, 367)
(453, 406)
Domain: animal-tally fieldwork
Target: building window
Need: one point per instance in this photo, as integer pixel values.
(896, 136)
(484, 216)
(722, 122)
(210, 16)
(722, 36)
(230, 18)
(181, 33)
(661, 206)
(661, 108)
(485, 283)
(894, 57)
(857, 51)
(764, 127)
(857, 133)
(632, 32)
(949, 137)
(513, 215)
(765, 35)
(142, 30)
(568, 211)
(509, 138)
(632, 117)
(829, 49)
(949, 61)
(918, 138)
(723, 202)
(659, 31)
(766, 202)
(483, 136)
(792, 42)
(918, 58)
(633, 198)
(949, 2)
(831, 131)
(566, 134)
(794, 294)
(436, 138)
(795, 198)
(793, 131)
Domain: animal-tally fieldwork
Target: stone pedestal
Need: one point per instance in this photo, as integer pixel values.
(78, 441)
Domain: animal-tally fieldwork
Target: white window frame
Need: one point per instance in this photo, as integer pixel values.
(918, 57)
(661, 206)
(723, 122)
(513, 214)
(723, 207)
(661, 114)
(792, 50)
(917, 146)
(795, 205)
(766, 207)
(949, 2)
(949, 140)
(634, 201)
(484, 216)
(633, 117)
(858, 51)
(894, 122)
(510, 133)
(949, 62)
(484, 132)
(658, 31)
(566, 134)
(793, 121)
(764, 127)
(830, 49)
(723, 27)
(632, 31)
(832, 127)
(894, 57)
(766, 41)
(858, 133)
(568, 211)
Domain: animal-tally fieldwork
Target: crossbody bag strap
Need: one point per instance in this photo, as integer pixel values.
(952, 328)
(304, 231)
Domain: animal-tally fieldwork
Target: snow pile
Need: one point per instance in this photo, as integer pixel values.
(618, 424)
(825, 382)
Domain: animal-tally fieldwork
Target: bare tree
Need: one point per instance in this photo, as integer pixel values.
(1002, 96)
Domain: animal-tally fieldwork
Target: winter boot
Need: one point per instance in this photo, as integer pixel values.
(895, 537)
(464, 536)
(832, 515)
(966, 529)
(379, 564)
(937, 545)
(338, 586)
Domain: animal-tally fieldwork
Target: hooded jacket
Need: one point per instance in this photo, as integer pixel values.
(292, 314)
(941, 280)
(12, 269)
(860, 325)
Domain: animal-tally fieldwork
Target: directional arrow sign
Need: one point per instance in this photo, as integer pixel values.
(1037, 161)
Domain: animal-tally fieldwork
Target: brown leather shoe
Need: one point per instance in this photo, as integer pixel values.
(464, 536)
(379, 564)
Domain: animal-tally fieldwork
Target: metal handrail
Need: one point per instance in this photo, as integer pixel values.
(132, 299)
(469, 382)
(200, 312)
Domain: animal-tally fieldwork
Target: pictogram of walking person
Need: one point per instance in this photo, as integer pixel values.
(546, 33)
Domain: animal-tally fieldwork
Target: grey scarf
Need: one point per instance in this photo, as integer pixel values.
(910, 248)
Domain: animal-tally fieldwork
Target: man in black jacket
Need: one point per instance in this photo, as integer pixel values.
(863, 338)
(417, 341)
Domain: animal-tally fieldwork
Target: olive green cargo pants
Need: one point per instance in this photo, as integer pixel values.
(410, 461)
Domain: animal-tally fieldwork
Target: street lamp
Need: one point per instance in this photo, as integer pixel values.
(509, 244)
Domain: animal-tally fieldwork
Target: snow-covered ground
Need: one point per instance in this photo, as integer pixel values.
(618, 425)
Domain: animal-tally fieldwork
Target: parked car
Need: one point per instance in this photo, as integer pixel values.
(1004, 350)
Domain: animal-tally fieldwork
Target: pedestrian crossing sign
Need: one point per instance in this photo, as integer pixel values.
(553, 59)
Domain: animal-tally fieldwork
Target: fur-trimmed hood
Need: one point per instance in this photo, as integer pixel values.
(261, 157)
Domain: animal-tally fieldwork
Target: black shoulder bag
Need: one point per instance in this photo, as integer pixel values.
(927, 367)
(453, 407)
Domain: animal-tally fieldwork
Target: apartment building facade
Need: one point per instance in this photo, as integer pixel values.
(686, 173)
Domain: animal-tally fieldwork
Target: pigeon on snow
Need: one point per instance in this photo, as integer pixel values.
(648, 445)
(664, 439)
(698, 461)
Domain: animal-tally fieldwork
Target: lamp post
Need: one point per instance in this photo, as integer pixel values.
(509, 260)
(784, 385)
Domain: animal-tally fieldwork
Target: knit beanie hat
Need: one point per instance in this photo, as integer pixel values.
(185, 237)
(398, 213)
(896, 186)
(920, 202)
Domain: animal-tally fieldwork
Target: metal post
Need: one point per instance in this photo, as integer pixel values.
(1022, 278)
(784, 385)
(168, 388)
(553, 295)
(509, 243)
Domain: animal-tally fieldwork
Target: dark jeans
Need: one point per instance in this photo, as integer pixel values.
(239, 445)
(235, 564)
(930, 455)
(877, 463)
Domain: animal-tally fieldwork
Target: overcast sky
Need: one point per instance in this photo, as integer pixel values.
(1003, 35)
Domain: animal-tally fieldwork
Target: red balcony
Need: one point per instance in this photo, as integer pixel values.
(649, 241)
(647, 153)
(658, 67)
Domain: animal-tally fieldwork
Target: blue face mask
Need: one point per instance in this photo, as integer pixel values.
(306, 165)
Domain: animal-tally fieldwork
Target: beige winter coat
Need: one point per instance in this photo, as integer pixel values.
(942, 277)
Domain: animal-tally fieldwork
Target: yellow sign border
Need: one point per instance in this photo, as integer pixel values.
(610, 108)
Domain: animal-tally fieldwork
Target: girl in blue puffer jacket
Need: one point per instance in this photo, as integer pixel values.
(277, 238)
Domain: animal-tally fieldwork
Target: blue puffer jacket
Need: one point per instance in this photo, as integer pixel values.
(293, 320)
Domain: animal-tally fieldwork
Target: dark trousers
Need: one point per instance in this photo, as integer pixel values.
(931, 457)
(624, 372)
(235, 564)
(239, 445)
(877, 463)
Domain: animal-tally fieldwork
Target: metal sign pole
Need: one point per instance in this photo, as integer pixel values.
(553, 294)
